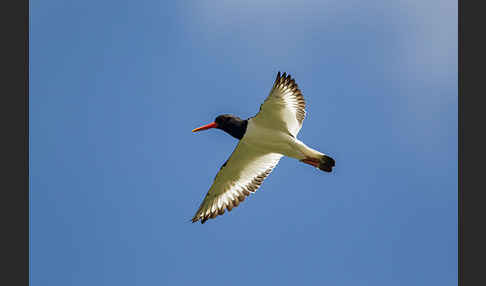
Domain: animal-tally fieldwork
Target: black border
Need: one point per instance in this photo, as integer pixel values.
(14, 209)
(15, 153)
(472, 143)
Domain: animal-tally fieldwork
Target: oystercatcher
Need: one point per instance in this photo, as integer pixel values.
(264, 139)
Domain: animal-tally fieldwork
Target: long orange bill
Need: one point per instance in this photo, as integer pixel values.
(207, 126)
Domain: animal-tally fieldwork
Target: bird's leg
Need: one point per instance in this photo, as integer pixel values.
(311, 161)
(325, 163)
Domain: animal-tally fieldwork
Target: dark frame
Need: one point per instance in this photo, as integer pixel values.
(15, 144)
(471, 188)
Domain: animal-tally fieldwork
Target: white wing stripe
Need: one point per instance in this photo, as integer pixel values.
(243, 173)
(284, 108)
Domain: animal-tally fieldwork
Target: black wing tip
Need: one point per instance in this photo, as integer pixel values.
(287, 80)
(281, 77)
(195, 220)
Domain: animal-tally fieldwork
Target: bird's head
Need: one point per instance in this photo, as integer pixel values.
(231, 124)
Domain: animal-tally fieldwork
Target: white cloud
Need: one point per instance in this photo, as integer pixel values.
(418, 48)
(429, 40)
(426, 31)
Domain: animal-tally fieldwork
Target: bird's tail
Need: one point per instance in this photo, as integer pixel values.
(326, 163)
(313, 157)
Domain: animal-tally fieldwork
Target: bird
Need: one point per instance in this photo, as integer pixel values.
(263, 140)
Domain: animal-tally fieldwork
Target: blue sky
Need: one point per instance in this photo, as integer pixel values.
(115, 173)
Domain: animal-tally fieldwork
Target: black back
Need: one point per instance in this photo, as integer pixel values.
(232, 125)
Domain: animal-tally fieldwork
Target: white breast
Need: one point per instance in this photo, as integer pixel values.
(272, 140)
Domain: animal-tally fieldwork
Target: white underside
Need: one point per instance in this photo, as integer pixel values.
(272, 140)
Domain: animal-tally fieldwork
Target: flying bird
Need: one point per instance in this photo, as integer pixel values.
(263, 140)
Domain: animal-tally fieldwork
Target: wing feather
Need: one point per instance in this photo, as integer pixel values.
(284, 108)
(241, 175)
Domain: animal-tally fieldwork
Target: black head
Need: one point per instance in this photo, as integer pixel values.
(230, 124)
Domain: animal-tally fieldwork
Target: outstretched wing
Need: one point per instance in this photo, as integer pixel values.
(284, 108)
(241, 175)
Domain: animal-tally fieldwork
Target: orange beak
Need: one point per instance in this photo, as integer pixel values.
(207, 126)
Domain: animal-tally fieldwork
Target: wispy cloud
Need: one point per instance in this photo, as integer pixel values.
(422, 35)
